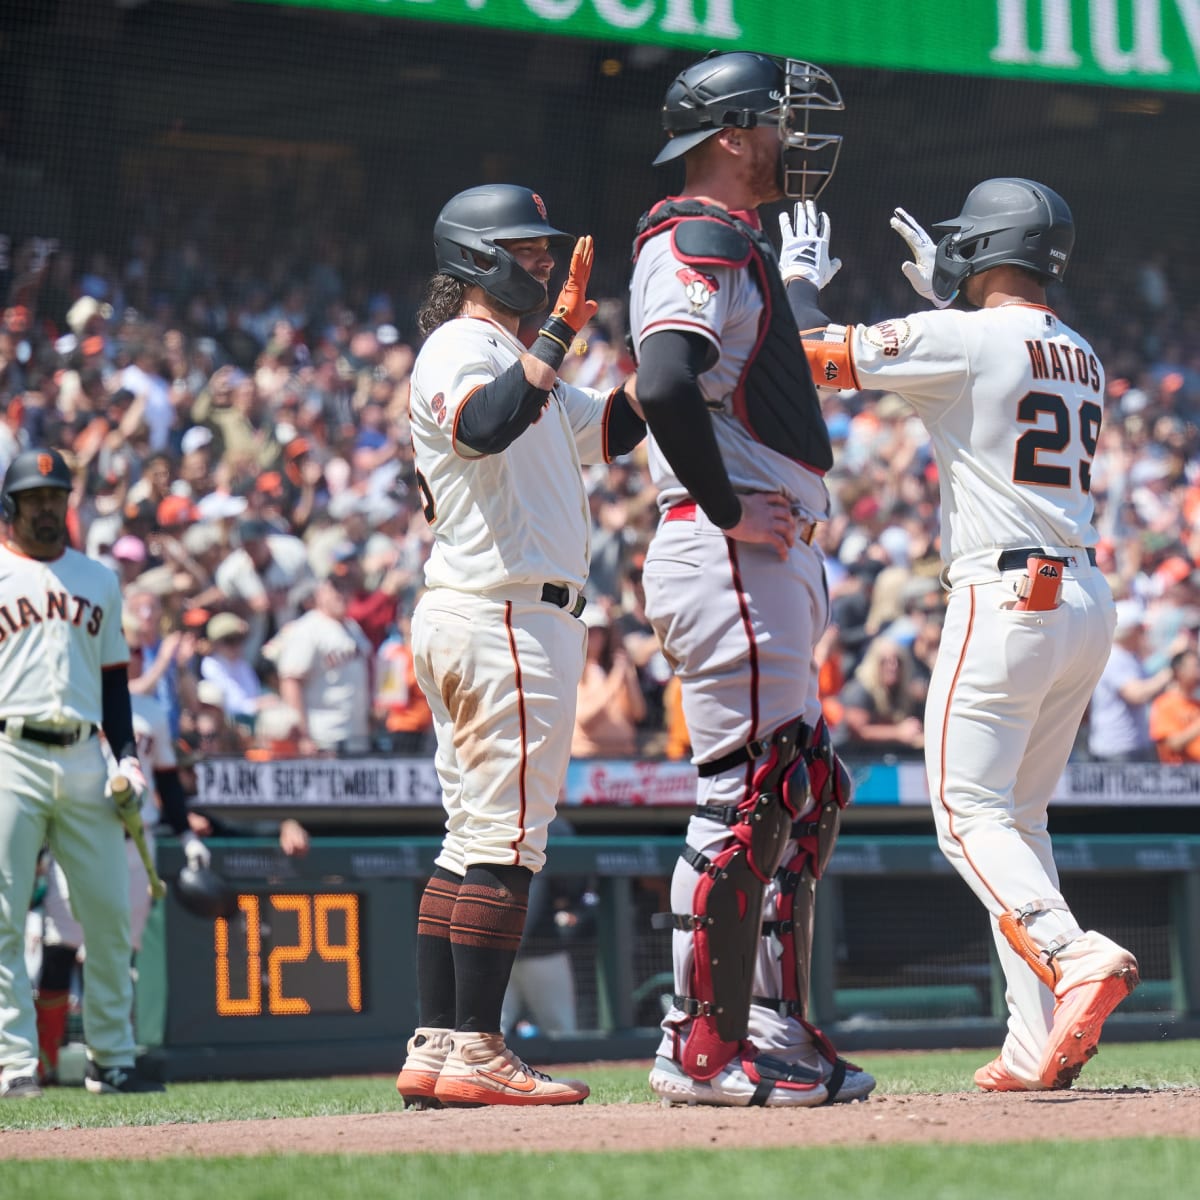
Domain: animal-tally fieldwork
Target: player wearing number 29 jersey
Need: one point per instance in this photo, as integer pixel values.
(1012, 400)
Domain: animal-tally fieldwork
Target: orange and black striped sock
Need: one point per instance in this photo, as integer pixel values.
(435, 962)
(489, 918)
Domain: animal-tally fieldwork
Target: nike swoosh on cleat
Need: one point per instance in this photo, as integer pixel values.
(530, 1085)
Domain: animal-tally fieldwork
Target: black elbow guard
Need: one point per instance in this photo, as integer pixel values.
(500, 411)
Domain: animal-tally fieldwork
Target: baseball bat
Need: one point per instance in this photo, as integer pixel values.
(122, 791)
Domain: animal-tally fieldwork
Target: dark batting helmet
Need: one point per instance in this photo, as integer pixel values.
(203, 892)
(33, 469)
(469, 228)
(740, 90)
(1007, 220)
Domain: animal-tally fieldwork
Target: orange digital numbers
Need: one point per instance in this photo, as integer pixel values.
(312, 955)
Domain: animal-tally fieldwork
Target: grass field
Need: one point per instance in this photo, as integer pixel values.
(1057, 1170)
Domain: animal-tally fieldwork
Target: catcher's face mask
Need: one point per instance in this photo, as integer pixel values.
(808, 159)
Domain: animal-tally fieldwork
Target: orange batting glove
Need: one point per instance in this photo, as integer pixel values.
(573, 307)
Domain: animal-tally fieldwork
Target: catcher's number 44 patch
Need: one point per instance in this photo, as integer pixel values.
(698, 287)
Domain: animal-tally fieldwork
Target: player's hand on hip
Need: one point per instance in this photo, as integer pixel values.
(572, 306)
(805, 250)
(767, 519)
(918, 272)
(198, 855)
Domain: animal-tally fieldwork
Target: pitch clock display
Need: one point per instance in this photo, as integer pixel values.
(289, 954)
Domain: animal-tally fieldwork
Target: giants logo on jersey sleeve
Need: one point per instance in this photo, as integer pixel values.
(438, 404)
(889, 336)
(698, 287)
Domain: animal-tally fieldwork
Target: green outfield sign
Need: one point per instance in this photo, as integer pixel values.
(1129, 43)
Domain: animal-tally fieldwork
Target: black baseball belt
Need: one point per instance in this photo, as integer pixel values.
(560, 597)
(49, 737)
(1016, 560)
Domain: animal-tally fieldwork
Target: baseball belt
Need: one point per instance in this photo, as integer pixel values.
(48, 737)
(560, 597)
(685, 510)
(1015, 560)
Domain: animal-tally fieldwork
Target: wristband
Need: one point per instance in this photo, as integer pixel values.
(552, 342)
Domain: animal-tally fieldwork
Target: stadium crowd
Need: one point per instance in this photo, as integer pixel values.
(242, 460)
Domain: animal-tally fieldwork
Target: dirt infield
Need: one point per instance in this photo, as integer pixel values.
(954, 1117)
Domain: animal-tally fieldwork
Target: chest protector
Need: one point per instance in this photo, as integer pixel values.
(775, 398)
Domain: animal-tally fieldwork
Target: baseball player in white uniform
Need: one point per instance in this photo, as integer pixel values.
(497, 646)
(62, 676)
(62, 934)
(735, 588)
(1012, 400)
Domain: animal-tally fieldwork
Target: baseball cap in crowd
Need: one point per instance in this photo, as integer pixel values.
(84, 310)
(196, 438)
(270, 483)
(209, 693)
(1130, 616)
(226, 625)
(254, 530)
(175, 510)
(200, 538)
(1174, 570)
(387, 335)
(217, 506)
(296, 446)
(128, 548)
(195, 618)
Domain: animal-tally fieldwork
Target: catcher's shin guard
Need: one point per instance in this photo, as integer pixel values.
(815, 839)
(726, 918)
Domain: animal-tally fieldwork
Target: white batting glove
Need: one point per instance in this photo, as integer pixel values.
(805, 250)
(198, 855)
(919, 272)
(131, 768)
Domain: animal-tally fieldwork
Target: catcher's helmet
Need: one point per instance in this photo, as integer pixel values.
(1004, 220)
(467, 231)
(740, 90)
(33, 469)
(203, 892)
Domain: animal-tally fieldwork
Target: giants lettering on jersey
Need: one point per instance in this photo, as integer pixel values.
(60, 606)
(1051, 361)
(335, 658)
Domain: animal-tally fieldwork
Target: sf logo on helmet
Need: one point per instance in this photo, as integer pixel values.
(540, 204)
(45, 464)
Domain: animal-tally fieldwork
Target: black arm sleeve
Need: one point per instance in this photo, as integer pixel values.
(117, 719)
(805, 301)
(500, 411)
(625, 428)
(668, 365)
(174, 802)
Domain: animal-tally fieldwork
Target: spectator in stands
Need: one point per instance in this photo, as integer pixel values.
(641, 644)
(227, 667)
(1119, 713)
(610, 701)
(162, 654)
(324, 669)
(882, 716)
(257, 578)
(400, 705)
(1175, 714)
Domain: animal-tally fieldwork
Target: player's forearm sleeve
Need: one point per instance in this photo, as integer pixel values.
(805, 301)
(668, 365)
(174, 802)
(625, 428)
(496, 414)
(117, 713)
